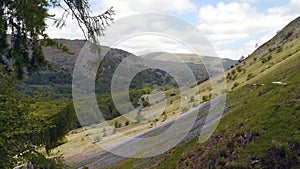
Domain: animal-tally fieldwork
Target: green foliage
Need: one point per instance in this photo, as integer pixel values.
(146, 101)
(283, 155)
(21, 131)
(260, 128)
(135, 95)
(21, 51)
(22, 37)
(231, 76)
(58, 78)
(165, 117)
(250, 76)
(236, 84)
(241, 59)
(239, 69)
(107, 106)
(192, 99)
(223, 152)
(117, 124)
(205, 98)
(279, 49)
(61, 123)
(147, 78)
(233, 72)
(264, 60)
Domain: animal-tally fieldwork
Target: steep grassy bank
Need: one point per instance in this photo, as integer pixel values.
(261, 128)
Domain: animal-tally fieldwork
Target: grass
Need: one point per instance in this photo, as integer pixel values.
(257, 107)
(270, 111)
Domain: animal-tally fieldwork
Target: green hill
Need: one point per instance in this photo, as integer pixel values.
(261, 127)
(57, 84)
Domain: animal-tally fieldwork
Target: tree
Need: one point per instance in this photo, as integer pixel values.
(117, 124)
(236, 84)
(21, 132)
(22, 38)
(205, 98)
(242, 58)
(22, 31)
(146, 101)
(192, 99)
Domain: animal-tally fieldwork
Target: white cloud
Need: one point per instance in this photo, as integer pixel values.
(156, 32)
(123, 8)
(249, 1)
(128, 7)
(151, 43)
(294, 7)
(228, 24)
(233, 28)
(70, 31)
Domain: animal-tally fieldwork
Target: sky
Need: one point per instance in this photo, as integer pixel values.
(233, 27)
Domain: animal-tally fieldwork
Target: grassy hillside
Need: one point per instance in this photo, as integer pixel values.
(56, 85)
(261, 128)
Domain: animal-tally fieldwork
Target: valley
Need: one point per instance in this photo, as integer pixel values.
(262, 105)
(178, 84)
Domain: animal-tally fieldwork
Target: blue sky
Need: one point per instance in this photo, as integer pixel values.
(233, 27)
(260, 5)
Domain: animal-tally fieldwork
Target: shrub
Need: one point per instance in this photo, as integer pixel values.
(234, 77)
(269, 57)
(279, 49)
(223, 152)
(146, 103)
(205, 98)
(236, 84)
(264, 60)
(239, 69)
(250, 76)
(192, 99)
(172, 94)
(228, 76)
(282, 154)
(165, 117)
(117, 124)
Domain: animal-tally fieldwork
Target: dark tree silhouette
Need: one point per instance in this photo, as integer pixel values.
(22, 31)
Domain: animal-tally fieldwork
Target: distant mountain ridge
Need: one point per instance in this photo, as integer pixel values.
(64, 65)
